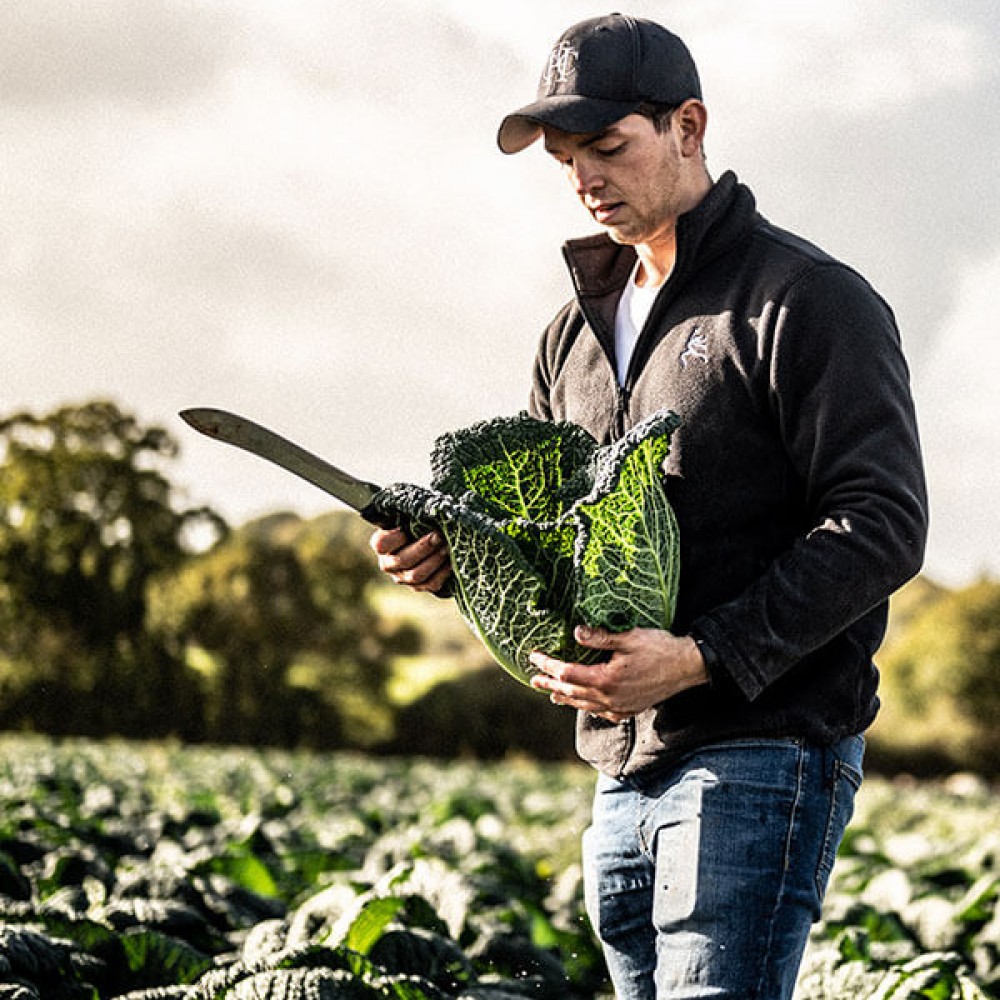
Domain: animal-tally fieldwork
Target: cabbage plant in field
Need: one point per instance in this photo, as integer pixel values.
(158, 873)
(548, 530)
(163, 874)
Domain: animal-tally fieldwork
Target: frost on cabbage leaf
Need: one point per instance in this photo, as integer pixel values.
(548, 530)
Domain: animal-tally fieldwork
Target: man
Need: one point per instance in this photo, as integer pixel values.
(729, 748)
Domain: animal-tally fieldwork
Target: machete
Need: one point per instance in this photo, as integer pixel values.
(243, 433)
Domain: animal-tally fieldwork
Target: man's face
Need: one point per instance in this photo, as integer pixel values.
(628, 177)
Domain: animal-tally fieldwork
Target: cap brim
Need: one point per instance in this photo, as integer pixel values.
(566, 112)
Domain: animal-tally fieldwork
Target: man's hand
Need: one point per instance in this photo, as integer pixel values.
(646, 666)
(421, 565)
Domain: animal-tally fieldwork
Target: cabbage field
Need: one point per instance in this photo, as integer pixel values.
(156, 871)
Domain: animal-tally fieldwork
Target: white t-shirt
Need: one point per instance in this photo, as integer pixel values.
(633, 309)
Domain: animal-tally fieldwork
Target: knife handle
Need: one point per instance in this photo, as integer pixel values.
(389, 519)
(381, 517)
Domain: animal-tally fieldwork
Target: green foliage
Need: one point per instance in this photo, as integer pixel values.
(912, 905)
(479, 714)
(940, 694)
(87, 520)
(407, 878)
(546, 531)
(415, 900)
(86, 517)
(122, 613)
(278, 615)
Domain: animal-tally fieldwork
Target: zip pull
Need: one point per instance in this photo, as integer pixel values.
(621, 422)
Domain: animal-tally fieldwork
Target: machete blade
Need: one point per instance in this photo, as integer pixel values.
(243, 433)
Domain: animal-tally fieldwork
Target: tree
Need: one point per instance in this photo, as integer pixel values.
(486, 714)
(279, 619)
(941, 698)
(87, 519)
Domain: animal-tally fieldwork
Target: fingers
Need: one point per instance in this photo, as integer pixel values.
(598, 638)
(385, 541)
(437, 579)
(422, 564)
(576, 685)
(642, 668)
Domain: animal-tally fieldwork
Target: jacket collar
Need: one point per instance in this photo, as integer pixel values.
(723, 218)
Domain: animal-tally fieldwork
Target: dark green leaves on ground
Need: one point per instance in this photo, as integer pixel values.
(417, 880)
(372, 880)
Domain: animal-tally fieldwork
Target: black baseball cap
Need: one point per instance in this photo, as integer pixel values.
(599, 71)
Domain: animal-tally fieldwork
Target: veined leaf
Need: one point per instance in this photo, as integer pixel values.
(160, 960)
(627, 548)
(546, 531)
(371, 921)
(418, 952)
(302, 984)
(240, 865)
(518, 464)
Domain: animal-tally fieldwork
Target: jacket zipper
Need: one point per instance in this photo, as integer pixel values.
(620, 424)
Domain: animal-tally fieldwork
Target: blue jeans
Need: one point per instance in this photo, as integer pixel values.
(703, 880)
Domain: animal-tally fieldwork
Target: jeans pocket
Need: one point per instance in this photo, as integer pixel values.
(617, 894)
(846, 782)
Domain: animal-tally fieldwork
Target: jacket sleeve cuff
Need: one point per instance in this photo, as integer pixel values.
(710, 657)
(719, 677)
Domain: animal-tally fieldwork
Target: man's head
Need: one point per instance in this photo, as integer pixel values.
(598, 72)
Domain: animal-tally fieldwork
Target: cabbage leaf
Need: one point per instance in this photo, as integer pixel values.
(547, 530)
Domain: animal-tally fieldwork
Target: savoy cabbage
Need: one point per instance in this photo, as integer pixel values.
(548, 530)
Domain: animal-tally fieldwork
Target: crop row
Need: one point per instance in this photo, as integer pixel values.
(154, 872)
(229, 874)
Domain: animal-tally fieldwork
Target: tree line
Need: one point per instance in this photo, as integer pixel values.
(123, 612)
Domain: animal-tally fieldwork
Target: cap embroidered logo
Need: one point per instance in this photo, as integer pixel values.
(562, 62)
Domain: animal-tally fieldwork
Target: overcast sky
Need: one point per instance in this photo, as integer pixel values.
(296, 209)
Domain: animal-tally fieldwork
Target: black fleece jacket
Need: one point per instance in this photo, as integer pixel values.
(796, 474)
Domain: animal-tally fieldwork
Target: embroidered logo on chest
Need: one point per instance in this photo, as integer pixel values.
(696, 348)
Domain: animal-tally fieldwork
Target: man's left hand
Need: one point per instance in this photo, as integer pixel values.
(646, 666)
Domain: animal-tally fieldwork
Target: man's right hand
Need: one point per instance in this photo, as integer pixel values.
(421, 565)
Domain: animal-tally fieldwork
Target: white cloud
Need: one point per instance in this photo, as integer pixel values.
(848, 57)
(296, 209)
(959, 410)
(58, 54)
